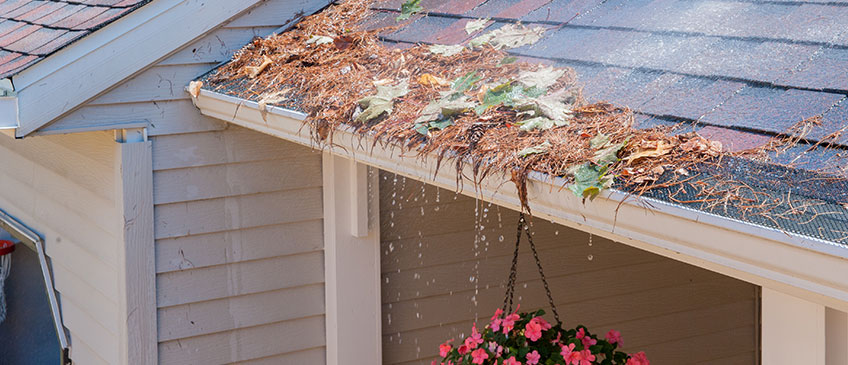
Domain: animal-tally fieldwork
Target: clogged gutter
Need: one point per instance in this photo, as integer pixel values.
(471, 103)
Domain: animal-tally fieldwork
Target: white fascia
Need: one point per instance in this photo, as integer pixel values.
(797, 265)
(92, 65)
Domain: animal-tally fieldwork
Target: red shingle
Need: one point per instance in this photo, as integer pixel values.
(35, 40)
(59, 42)
(10, 5)
(80, 17)
(17, 34)
(8, 26)
(46, 8)
(16, 64)
(32, 5)
(59, 14)
(103, 18)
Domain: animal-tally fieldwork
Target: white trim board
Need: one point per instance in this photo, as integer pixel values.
(104, 58)
(807, 268)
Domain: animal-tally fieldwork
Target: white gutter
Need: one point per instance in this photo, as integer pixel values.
(801, 266)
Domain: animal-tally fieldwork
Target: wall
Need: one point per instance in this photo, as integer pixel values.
(435, 283)
(64, 188)
(238, 223)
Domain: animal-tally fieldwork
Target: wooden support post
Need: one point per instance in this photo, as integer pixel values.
(793, 330)
(351, 262)
(837, 336)
(136, 255)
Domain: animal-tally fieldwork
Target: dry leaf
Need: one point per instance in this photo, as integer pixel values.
(271, 98)
(509, 36)
(343, 42)
(430, 80)
(446, 50)
(194, 88)
(319, 40)
(475, 25)
(650, 150)
(253, 71)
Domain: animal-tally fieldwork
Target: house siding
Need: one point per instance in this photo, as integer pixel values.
(435, 283)
(238, 214)
(64, 187)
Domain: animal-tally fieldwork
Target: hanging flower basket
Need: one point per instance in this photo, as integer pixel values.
(527, 338)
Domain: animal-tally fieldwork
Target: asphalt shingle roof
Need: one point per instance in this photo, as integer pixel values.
(740, 71)
(31, 30)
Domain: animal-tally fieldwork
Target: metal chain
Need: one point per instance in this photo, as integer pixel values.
(513, 272)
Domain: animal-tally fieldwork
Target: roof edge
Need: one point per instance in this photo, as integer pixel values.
(795, 264)
(106, 57)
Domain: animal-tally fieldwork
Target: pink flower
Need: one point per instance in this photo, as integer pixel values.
(511, 361)
(587, 341)
(476, 337)
(445, 348)
(556, 340)
(566, 352)
(638, 359)
(509, 321)
(533, 358)
(496, 320)
(586, 357)
(479, 356)
(533, 329)
(462, 350)
(614, 337)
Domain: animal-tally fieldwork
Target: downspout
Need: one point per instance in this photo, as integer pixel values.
(34, 242)
(8, 107)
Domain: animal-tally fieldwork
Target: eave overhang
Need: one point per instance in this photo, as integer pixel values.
(808, 268)
(88, 67)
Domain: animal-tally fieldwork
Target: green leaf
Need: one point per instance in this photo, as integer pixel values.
(554, 106)
(608, 155)
(543, 78)
(541, 148)
(441, 124)
(503, 94)
(382, 102)
(465, 82)
(446, 50)
(319, 39)
(408, 8)
(507, 60)
(444, 107)
(536, 123)
(599, 141)
(475, 25)
(589, 180)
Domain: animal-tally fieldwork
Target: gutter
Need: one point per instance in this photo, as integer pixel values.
(805, 267)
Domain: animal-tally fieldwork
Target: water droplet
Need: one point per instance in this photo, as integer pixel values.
(471, 279)
(391, 247)
(590, 257)
(436, 208)
(556, 233)
(525, 285)
(501, 238)
(483, 237)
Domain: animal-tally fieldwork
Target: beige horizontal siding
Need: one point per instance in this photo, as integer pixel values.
(64, 188)
(239, 249)
(435, 283)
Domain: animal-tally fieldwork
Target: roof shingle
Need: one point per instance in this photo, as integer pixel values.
(31, 30)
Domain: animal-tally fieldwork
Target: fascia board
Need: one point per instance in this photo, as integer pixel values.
(805, 267)
(92, 65)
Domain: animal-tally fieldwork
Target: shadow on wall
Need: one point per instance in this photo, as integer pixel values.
(27, 336)
(445, 260)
